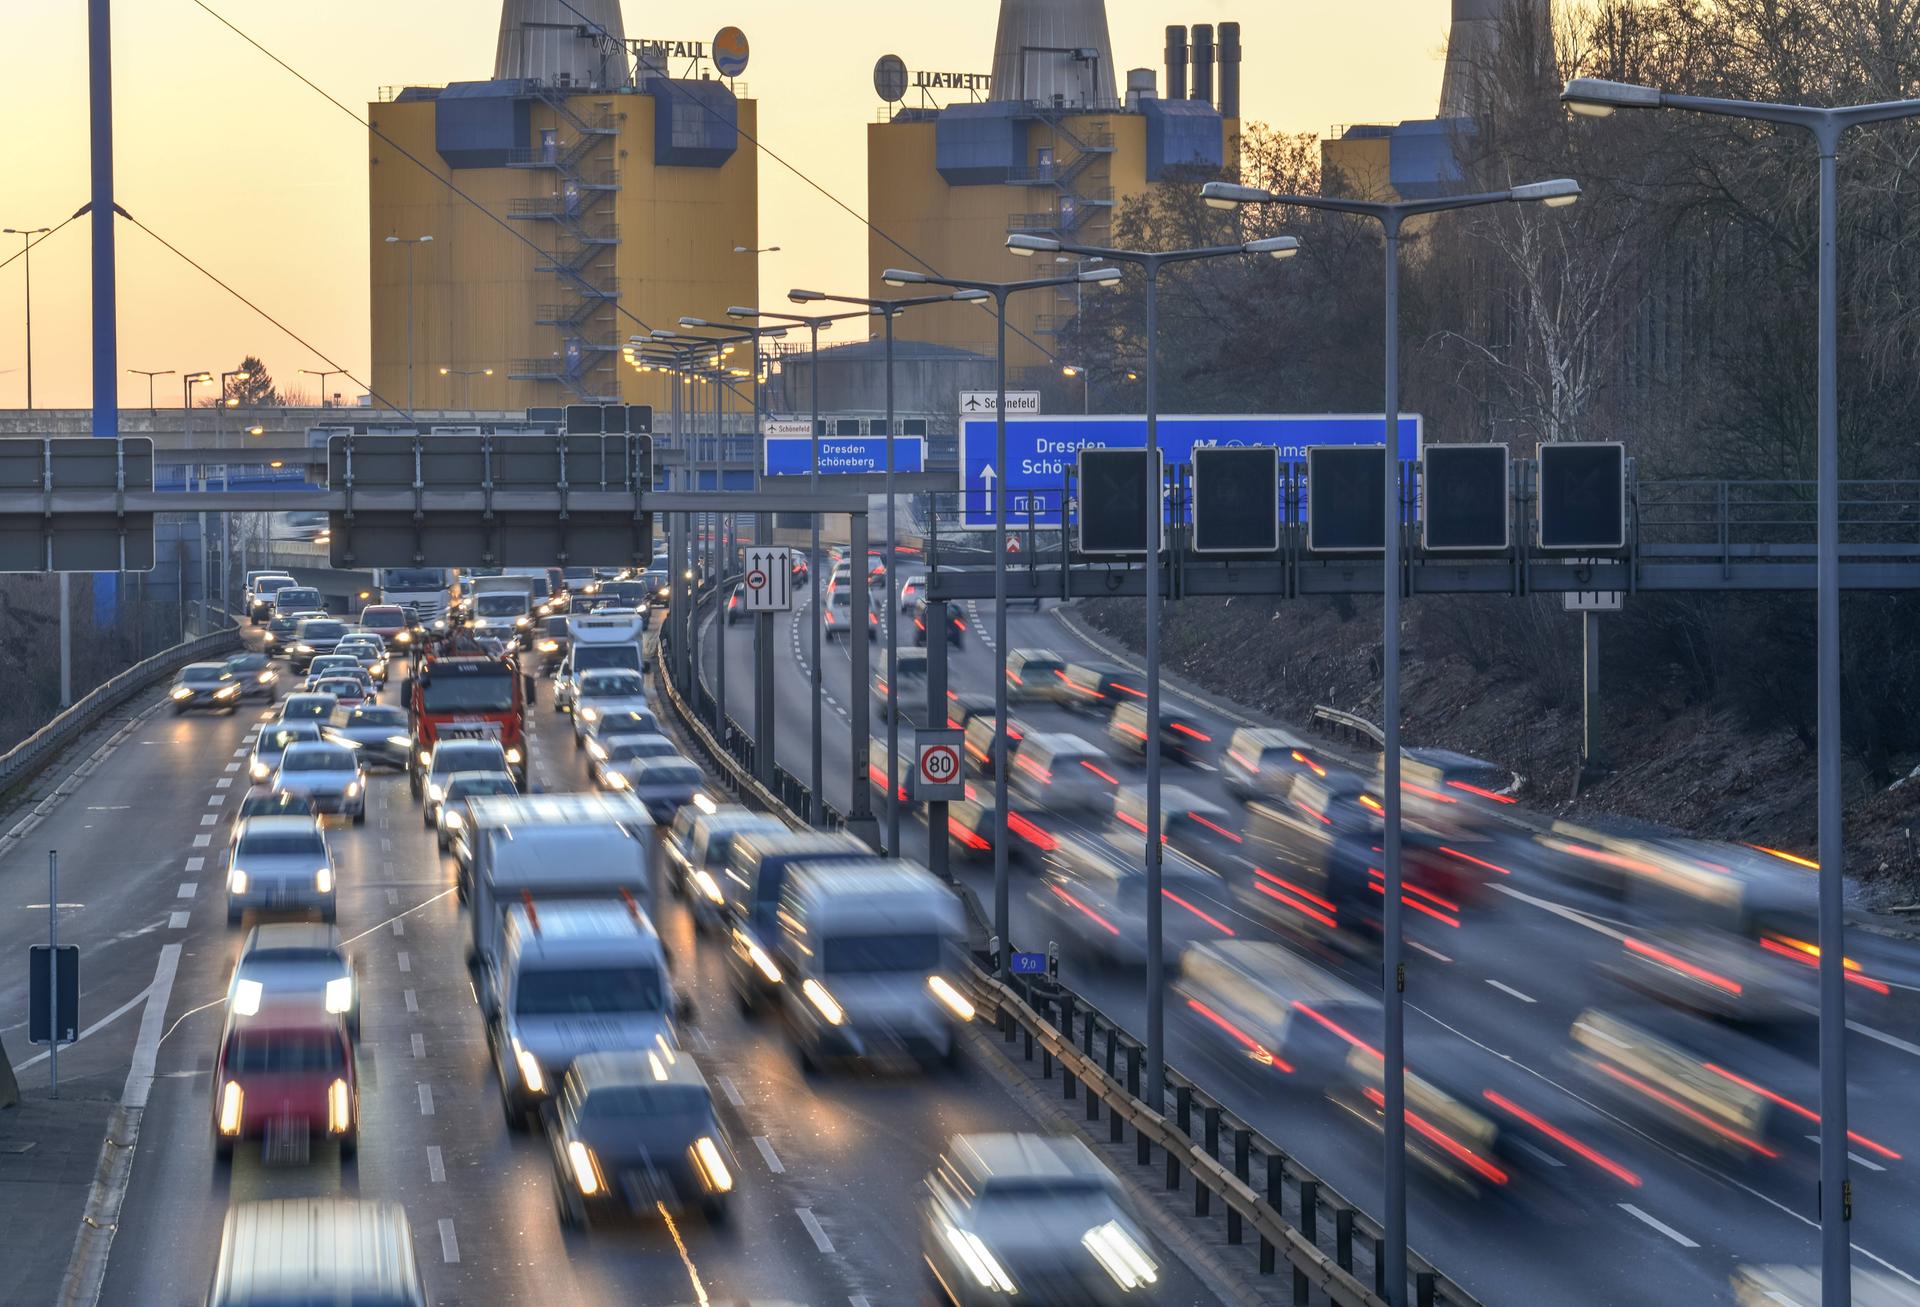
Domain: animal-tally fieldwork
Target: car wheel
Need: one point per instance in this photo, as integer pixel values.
(349, 1146)
(360, 817)
(572, 1211)
(440, 838)
(579, 741)
(222, 1152)
(426, 818)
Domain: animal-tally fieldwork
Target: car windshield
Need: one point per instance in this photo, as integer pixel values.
(491, 785)
(613, 686)
(341, 688)
(648, 1101)
(294, 596)
(853, 954)
(307, 705)
(677, 773)
(322, 630)
(248, 662)
(584, 992)
(412, 578)
(265, 805)
(628, 750)
(378, 716)
(281, 844)
(266, 585)
(451, 758)
(500, 605)
(489, 691)
(279, 737)
(1041, 1189)
(384, 615)
(588, 657)
(284, 1052)
(317, 758)
(204, 675)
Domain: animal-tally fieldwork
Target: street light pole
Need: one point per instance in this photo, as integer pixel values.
(1393, 1087)
(409, 242)
(26, 235)
(1000, 292)
(323, 374)
(142, 372)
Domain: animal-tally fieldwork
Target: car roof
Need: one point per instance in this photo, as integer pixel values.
(304, 747)
(635, 1069)
(297, 824)
(985, 1158)
(296, 1246)
(291, 935)
(203, 667)
(454, 778)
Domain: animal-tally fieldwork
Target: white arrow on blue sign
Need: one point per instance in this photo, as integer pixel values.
(1040, 450)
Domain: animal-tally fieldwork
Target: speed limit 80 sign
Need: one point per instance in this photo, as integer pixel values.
(936, 772)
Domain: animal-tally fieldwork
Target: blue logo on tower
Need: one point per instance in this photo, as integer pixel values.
(730, 51)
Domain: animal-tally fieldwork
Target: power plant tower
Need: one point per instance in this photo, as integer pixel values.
(1054, 52)
(1472, 41)
(576, 43)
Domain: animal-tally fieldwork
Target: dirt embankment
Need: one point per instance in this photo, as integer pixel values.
(1677, 762)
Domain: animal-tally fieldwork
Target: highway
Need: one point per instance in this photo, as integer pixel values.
(1611, 1205)
(825, 1213)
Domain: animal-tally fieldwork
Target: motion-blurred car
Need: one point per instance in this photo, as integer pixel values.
(549, 642)
(910, 688)
(956, 624)
(637, 1130)
(1037, 676)
(347, 691)
(378, 733)
(1027, 1216)
(205, 685)
(1263, 759)
(325, 665)
(837, 620)
(600, 691)
(328, 774)
(369, 651)
(977, 742)
(1097, 687)
(256, 676)
(971, 828)
(273, 741)
(697, 844)
(263, 801)
(279, 865)
(1058, 772)
(663, 785)
(306, 707)
(1094, 887)
(610, 754)
(448, 758)
(285, 1075)
(261, 587)
(1183, 738)
(1189, 823)
(278, 637)
(317, 1250)
(450, 814)
(1264, 1004)
(313, 637)
(296, 965)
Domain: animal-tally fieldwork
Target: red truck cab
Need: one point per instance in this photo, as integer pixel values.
(285, 1075)
(467, 697)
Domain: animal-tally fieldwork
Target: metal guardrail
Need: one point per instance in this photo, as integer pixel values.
(1338, 722)
(1323, 1238)
(26, 758)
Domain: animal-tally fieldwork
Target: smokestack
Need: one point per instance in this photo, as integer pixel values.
(1054, 52)
(1229, 70)
(575, 43)
(1176, 61)
(1203, 62)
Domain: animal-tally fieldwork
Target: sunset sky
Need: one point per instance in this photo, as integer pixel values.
(255, 175)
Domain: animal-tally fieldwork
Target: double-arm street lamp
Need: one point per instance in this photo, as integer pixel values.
(1597, 98)
(1150, 262)
(466, 376)
(409, 242)
(999, 292)
(1391, 215)
(887, 311)
(815, 324)
(27, 235)
(150, 375)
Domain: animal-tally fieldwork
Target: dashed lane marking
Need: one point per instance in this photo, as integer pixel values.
(812, 1222)
(413, 1002)
(202, 841)
(177, 920)
(210, 819)
(195, 864)
(222, 782)
(767, 1155)
(728, 1088)
(188, 888)
(1511, 991)
(399, 925)
(449, 1243)
(404, 962)
(232, 766)
(215, 800)
(1659, 1225)
(426, 1099)
(419, 1045)
(436, 1167)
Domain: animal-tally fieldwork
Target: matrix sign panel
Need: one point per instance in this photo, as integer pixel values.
(1114, 490)
(1583, 495)
(1465, 489)
(1345, 514)
(76, 542)
(1236, 499)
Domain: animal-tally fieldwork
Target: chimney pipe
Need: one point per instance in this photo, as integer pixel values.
(1229, 70)
(1176, 62)
(1203, 62)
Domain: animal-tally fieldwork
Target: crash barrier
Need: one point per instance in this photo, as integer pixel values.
(1332, 1248)
(1345, 725)
(26, 758)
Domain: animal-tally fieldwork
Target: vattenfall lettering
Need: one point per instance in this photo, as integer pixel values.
(674, 49)
(953, 81)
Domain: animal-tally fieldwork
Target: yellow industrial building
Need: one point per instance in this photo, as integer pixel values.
(1051, 151)
(596, 193)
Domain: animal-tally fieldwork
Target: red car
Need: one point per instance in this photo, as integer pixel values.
(389, 622)
(285, 1075)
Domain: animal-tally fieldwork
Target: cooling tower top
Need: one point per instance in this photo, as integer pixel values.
(578, 43)
(1054, 50)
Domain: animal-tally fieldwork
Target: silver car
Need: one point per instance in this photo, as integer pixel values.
(328, 774)
(603, 690)
(279, 864)
(369, 650)
(610, 754)
(450, 814)
(295, 963)
(1038, 1216)
(661, 784)
(275, 739)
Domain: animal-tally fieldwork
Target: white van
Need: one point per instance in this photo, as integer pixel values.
(1062, 772)
(871, 953)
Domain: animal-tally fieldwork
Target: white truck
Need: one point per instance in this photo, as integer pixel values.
(611, 640)
(429, 591)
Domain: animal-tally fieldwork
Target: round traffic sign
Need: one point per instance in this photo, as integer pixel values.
(939, 764)
(756, 580)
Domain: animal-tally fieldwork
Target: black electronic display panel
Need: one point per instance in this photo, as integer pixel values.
(1345, 485)
(1113, 487)
(1466, 492)
(1236, 499)
(1583, 495)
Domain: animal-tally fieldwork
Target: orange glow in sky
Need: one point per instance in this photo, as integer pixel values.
(252, 173)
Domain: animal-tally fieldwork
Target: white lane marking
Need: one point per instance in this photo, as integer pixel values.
(231, 767)
(1545, 1159)
(393, 896)
(1852, 1156)
(419, 1045)
(1891, 1041)
(436, 1166)
(177, 920)
(238, 753)
(728, 1088)
(449, 1244)
(188, 888)
(386, 843)
(1433, 953)
(1574, 915)
(209, 819)
(405, 962)
(820, 1240)
(215, 800)
(413, 1003)
(426, 1098)
(223, 782)
(399, 926)
(1659, 1225)
(202, 841)
(196, 863)
(146, 1046)
(767, 1155)
(701, 1041)
(1511, 992)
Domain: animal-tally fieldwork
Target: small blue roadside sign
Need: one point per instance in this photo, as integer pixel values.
(1029, 964)
(1040, 450)
(792, 456)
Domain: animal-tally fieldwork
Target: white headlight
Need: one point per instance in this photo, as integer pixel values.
(454, 820)
(974, 1255)
(182, 692)
(400, 741)
(323, 880)
(589, 714)
(829, 1007)
(340, 994)
(433, 792)
(237, 881)
(616, 781)
(1120, 1255)
(513, 757)
(713, 1167)
(529, 1069)
(230, 1099)
(950, 997)
(246, 997)
(260, 771)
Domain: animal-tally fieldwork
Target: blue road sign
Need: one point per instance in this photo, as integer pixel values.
(1029, 964)
(1041, 450)
(792, 456)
